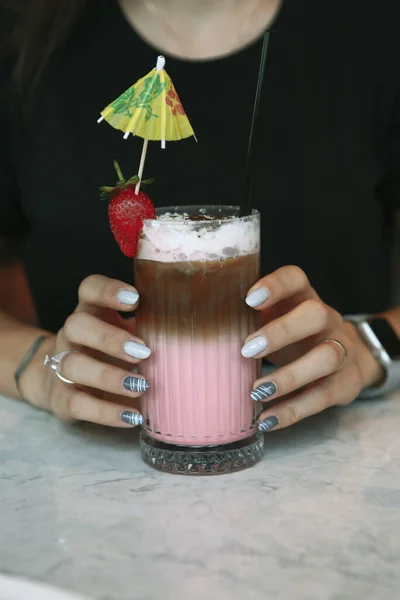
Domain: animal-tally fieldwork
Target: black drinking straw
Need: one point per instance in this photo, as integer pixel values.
(247, 200)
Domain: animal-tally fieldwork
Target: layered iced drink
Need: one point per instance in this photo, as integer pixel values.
(193, 269)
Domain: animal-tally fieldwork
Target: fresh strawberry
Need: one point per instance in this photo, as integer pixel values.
(127, 210)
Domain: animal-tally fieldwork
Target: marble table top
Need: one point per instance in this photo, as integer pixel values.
(317, 519)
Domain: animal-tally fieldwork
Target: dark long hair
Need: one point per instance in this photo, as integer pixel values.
(35, 29)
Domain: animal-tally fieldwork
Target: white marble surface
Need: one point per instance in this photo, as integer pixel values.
(318, 519)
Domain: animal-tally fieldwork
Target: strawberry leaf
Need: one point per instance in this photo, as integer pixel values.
(133, 179)
(121, 178)
(109, 192)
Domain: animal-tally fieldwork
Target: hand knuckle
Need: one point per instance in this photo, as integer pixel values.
(298, 276)
(292, 416)
(359, 385)
(112, 341)
(318, 313)
(107, 341)
(336, 316)
(288, 381)
(358, 388)
(327, 398)
(281, 332)
(72, 406)
(345, 400)
(64, 417)
(351, 394)
(108, 291)
(73, 327)
(359, 373)
(60, 338)
(87, 285)
(356, 381)
(56, 405)
(107, 378)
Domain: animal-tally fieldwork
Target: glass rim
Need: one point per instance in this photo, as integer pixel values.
(179, 209)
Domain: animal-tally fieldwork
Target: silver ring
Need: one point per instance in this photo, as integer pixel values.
(341, 346)
(54, 362)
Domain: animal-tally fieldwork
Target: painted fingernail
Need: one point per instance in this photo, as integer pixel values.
(132, 418)
(268, 424)
(136, 384)
(257, 297)
(254, 347)
(128, 297)
(264, 391)
(137, 350)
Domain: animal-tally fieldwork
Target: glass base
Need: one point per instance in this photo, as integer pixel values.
(201, 460)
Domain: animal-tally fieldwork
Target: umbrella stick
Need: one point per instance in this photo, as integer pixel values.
(141, 166)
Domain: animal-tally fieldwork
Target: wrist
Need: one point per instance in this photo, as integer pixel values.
(33, 381)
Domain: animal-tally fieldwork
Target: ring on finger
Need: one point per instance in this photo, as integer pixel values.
(341, 346)
(54, 362)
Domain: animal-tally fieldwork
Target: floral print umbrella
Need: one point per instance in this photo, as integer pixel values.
(150, 109)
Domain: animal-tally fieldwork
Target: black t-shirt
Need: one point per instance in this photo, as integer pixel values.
(328, 166)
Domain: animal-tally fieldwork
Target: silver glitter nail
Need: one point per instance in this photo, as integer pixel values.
(268, 424)
(132, 418)
(264, 391)
(136, 384)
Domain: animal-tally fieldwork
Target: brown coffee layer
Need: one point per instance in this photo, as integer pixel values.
(196, 299)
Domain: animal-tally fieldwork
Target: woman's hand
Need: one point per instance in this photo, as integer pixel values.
(300, 337)
(102, 365)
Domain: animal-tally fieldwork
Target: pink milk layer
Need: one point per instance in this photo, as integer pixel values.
(201, 392)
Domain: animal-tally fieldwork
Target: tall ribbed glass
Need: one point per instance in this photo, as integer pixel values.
(193, 269)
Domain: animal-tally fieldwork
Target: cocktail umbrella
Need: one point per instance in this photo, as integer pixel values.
(150, 109)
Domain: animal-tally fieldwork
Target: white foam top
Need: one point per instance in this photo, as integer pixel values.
(174, 238)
